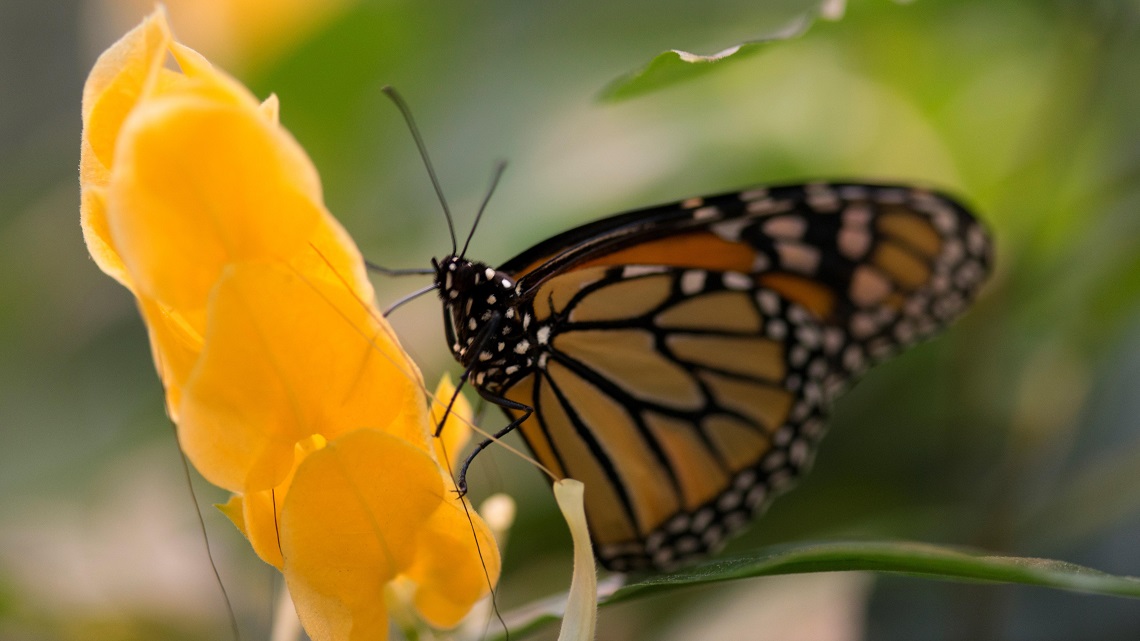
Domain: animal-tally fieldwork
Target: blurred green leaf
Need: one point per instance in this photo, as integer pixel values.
(1098, 495)
(675, 66)
(898, 557)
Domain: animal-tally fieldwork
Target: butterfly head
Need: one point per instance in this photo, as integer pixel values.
(457, 278)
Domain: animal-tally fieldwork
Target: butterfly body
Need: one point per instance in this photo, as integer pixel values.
(680, 360)
(486, 328)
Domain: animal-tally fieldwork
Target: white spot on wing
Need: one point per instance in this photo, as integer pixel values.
(798, 356)
(706, 213)
(822, 198)
(892, 196)
(745, 480)
(633, 271)
(777, 329)
(857, 214)
(863, 325)
(736, 280)
(678, 524)
(976, 240)
(800, 258)
(692, 282)
(853, 358)
(944, 219)
(753, 194)
(790, 227)
(728, 501)
(756, 497)
(854, 242)
(768, 301)
(868, 286)
(766, 206)
(730, 229)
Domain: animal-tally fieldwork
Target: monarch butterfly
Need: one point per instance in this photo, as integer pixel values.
(680, 360)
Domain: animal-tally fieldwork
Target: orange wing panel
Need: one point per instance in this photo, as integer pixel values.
(699, 250)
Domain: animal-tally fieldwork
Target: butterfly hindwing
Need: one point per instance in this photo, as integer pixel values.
(684, 402)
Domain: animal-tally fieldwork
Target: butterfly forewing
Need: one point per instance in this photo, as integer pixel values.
(680, 359)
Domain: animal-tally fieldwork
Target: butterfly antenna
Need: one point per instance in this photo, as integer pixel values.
(409, 298)
(388, 271)
(395, 97)
(500, 167)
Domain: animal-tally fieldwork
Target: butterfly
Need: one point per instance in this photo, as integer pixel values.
(680, 360)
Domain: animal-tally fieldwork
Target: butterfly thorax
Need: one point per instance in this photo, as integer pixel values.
(486, 323)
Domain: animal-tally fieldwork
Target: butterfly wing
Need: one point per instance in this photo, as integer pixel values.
(690, 351)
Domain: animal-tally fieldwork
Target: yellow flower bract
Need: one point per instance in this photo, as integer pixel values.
(287, 386)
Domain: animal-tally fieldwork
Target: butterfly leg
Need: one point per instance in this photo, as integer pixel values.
(505, 403)
(480, 342)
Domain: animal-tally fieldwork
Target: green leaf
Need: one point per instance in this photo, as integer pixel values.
(907, 558)
(676, 66)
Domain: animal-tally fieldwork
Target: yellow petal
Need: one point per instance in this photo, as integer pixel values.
(97, 234)
(452, 572)
(120, 78)
(271, 108)
(175, 346)
(580, 620)
(199, 185)
(261, 510)
(203, 80)
(233, 510)
(457, 429)
(259, 515)
(286, 357)
(351, 522)
(333, 256)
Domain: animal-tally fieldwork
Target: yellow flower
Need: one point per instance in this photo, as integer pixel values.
(285, 383)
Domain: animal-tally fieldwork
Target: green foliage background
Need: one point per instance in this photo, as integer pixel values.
(1016, 432)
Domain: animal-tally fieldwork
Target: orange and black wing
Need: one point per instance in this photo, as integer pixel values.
(690, 352)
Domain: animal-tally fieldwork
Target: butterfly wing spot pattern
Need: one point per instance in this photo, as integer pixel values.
(680, 360)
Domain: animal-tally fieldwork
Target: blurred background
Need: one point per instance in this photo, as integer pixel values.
(1016, 432)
